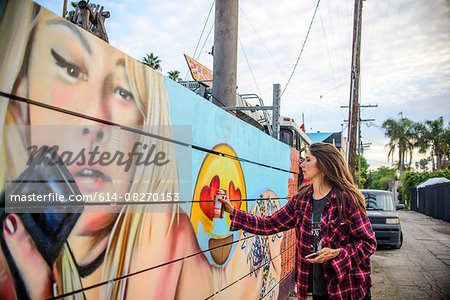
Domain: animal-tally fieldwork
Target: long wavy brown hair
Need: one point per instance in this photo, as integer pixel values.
(335, 170)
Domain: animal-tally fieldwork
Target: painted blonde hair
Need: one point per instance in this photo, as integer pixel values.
(12, 49)
(147, 84)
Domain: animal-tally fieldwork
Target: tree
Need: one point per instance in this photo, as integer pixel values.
(445, 147)
(378, 180)
(435, 136)
(173, 75)
(152, 61)
(423, 164)
(361, 174)
(402, 136)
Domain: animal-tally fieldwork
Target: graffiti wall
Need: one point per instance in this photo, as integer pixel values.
(109, 172)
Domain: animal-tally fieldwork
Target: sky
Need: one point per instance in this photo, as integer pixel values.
(405, 55)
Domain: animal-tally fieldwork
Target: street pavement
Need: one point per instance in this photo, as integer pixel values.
(421, 268)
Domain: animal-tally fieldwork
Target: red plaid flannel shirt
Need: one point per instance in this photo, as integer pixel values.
(348, 274)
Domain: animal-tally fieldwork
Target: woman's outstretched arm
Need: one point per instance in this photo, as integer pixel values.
(283, 219)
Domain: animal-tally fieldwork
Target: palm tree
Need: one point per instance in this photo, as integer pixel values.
(174, 75)
(445, 147)
(435, 136)
(402, 136)
(152, 61)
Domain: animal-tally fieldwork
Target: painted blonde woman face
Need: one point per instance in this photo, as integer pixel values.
(71, 69)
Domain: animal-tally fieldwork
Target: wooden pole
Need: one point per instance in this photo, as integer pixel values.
(225, 52)
(64, 13)
(352, 139)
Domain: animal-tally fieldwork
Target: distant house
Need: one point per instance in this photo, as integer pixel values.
(335, 138)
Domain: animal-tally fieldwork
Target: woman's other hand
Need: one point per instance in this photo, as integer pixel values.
(325, 254)
(227, 205)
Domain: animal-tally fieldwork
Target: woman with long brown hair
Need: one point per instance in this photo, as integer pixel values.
(334, 235)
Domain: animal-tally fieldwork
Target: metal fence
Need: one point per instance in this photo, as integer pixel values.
(432, 200)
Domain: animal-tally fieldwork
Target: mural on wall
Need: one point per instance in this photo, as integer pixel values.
(112, 122)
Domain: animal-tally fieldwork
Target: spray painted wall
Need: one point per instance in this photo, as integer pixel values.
(145, 157)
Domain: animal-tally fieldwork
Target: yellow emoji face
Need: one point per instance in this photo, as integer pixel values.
(217, 172)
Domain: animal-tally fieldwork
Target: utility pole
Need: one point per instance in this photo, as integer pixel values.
(225, 52)
(64, 13)
(354, 89)
(360, 144)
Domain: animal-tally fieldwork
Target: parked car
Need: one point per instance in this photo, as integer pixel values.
(384, 217)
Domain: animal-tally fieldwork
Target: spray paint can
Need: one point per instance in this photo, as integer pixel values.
(218, 207)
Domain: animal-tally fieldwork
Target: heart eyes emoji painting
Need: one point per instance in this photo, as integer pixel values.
(217, 172)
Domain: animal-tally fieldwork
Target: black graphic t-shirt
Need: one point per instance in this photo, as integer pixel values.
(317, 282)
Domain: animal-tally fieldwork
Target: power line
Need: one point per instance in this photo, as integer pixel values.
(303, 47)
(374, 142)
(332, 18)
(136, 130)
(204, 26)
(394, 32)
(334, 88)
(209, 32)
(199, 39)
(341, 24)
(264, 44)
(135, 273)
(328, 52)
(251, 71)
(255, 272)
(349, 23)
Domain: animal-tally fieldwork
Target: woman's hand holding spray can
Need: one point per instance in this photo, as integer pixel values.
(218, 206)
